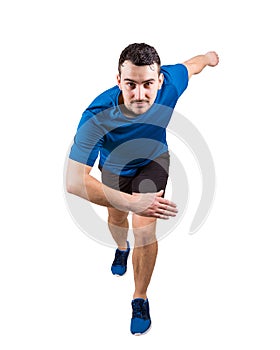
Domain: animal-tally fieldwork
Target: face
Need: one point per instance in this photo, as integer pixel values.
(139, 86)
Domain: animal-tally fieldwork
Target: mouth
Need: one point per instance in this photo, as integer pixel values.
(141, 103)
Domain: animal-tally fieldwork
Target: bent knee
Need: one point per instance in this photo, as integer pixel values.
(117, 218)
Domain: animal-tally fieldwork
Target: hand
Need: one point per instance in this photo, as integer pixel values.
(213, 58)
(153, 205)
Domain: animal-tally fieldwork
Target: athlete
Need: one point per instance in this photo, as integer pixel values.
(126, 127)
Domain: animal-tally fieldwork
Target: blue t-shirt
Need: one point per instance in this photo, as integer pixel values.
(124, 143)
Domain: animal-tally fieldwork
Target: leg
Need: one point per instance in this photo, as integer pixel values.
(146, 246)
(144, 253)
(118, 226)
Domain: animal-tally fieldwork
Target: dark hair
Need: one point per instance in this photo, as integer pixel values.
(140, 55)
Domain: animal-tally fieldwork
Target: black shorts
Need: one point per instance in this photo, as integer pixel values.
(149, 178)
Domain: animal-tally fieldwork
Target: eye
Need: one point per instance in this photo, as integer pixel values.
(148, 84)
(131, 84)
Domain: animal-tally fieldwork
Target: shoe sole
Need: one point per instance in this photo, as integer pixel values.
(139, 334)
(115, 274)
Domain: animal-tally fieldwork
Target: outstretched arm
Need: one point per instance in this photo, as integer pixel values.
(196, 64)
(80, 183)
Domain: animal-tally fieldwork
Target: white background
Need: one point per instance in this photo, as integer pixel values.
(218, 288)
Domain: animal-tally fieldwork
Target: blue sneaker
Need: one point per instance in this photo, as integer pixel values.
(141, 320)
(120, 262)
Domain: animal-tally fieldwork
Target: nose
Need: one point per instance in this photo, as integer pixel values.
(140, 93)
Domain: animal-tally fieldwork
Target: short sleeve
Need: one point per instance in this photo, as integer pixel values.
(177, 75)
(87, 142)
(89, 137)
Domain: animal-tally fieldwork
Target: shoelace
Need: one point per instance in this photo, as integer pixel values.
(138, 310)
(120, 258)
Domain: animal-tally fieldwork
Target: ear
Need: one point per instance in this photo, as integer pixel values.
(119, 80)
(160, 80)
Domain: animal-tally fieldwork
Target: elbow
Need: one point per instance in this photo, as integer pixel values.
(76, 180)
(71, 188)
(72, 185)
(76, 186)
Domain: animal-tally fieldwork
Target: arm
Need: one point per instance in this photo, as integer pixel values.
(196, 64)
(79, 182)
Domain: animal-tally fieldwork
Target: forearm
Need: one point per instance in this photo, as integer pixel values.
(196, 64)
(100, 194)
(89, 188)
(80, 183)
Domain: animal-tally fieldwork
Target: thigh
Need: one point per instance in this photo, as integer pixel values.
(139, 222)
(117, 182)
(152, 177)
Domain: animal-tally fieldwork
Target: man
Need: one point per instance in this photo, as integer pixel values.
(126, 127)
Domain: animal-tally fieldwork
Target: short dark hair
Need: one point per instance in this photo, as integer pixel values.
(140, 54)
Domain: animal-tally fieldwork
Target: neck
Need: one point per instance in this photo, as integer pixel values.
(120, 99)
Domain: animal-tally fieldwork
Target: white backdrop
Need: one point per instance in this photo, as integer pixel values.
(218, 288)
